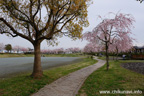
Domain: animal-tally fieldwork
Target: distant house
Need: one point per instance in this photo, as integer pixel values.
(138, 52)
(18, 52)
(3, 51)
(137, 49)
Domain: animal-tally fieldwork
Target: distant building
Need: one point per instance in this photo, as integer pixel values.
(3, 51)
(12, 51)
(137, 49)
(138, 52)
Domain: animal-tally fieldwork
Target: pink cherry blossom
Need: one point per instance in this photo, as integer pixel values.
(111, 30)
(93, 48)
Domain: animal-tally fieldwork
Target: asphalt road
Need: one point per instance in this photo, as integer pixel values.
(12, 66)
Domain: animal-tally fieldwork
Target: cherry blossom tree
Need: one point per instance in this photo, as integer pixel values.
(44, 51)
(69, 50)
(16, 48)
(123, 44)
(58, 51)
(24, 49)
(54, 51)
(48, 51)
(73, 50)
(109, 29)
(92, 48)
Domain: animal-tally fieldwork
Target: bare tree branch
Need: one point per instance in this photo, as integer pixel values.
(9, 34)
(14, 31)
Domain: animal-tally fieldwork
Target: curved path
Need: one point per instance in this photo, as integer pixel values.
(70, 84)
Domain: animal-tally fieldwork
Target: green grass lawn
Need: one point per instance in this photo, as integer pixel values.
(117, 78)
(6, 55)
(24, 85)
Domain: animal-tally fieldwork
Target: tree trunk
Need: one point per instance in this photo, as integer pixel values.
(116, 53)
(107, 56)
(113, 56)
(37, 69)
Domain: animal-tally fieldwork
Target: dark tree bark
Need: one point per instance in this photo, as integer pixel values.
(107, 56)
(116, 53)
(37, 69)
(113, 55)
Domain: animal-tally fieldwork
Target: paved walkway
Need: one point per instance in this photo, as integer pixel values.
(70, 84)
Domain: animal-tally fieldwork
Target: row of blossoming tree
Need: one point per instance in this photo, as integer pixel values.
(15, 48)
(61, 50)
(18, 49)
(111, 34)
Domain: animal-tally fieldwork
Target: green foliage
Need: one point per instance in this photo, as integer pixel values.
(61, 17)
(8, 47)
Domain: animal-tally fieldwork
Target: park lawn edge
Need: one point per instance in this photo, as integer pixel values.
(12, 55)
(24, 85)
(117, 78)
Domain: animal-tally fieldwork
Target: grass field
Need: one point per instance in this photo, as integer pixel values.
(110, 83)
(24, 85)
(46, 55)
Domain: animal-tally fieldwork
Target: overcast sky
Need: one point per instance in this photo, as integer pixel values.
(99, 7)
